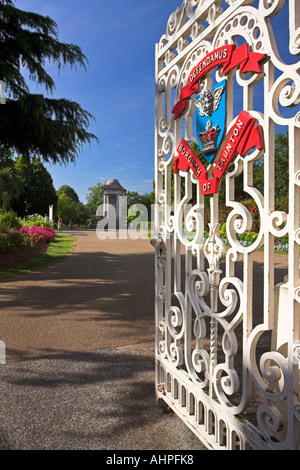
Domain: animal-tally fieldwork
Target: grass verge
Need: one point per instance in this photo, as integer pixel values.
(58, 251)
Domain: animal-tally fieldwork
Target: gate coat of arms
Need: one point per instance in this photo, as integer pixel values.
(211, 119)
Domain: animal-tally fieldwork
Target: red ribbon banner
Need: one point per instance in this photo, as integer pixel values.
(230, 57)
(244, 135)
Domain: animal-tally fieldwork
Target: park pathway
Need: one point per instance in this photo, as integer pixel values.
(80, 353)
(102, 296)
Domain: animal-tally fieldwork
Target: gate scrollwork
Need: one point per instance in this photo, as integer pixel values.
(227, 332)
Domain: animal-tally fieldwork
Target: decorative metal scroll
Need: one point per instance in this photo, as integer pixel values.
(227, 347)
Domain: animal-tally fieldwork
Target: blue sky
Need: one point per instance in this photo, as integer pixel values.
(118, 37)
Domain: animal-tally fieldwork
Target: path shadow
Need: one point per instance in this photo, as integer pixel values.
(93, 396)
(93, 400)
(93, 300)
(107, 283)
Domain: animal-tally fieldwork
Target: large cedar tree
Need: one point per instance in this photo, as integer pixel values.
(32, 124)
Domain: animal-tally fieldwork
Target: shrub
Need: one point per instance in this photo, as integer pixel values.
(285, 240)
(30, 236)
(4, 229)
(10, 241)
(10, 219)
(282, 243)
(36, 220)
(4, 242)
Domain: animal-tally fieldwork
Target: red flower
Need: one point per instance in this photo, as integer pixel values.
(253, 209)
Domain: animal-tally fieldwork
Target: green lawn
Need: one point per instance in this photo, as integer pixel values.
(57, 252)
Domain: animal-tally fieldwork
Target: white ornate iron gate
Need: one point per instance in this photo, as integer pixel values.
(228, 342)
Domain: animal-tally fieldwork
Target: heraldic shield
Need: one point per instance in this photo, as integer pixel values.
(211, 119)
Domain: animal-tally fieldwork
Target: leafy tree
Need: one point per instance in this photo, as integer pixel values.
(37, 187)
(132, 197)
(6, 157)
(83, 213)
(146, 200)
(54, 129)
(152, 194)
(67, 209)
(281, 170)
(95, 197)
(68, 191)
(70, 210)
(10, 187)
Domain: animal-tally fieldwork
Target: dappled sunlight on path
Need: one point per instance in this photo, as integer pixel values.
(102, 296)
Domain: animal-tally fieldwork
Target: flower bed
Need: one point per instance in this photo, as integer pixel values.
(246, 239)
(36, 235)
(10, 240)
(281, 244)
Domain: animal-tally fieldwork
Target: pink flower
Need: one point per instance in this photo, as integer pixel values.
(37, 234)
